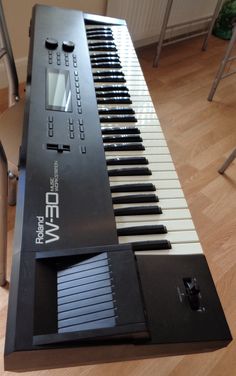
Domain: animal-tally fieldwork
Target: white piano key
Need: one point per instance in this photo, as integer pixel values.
(161, 193)
(174, 237)
(176, 225)
(152, 122)
(152, 166)
(159, 184)
(150, 152)
(170, 214)
(177, 249)
(172, 203)
(160, 175)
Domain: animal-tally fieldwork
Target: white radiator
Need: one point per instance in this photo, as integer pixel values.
(144, 17)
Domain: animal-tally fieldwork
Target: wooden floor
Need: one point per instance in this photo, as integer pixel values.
(200, 135)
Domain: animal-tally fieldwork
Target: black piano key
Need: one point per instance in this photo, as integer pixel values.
(137, 210)
(127, 161)
(115, 100)
(130, 171)
(120, 130)
(100, 36)
(142, 230)
(102, 48)
(133, 199)
(109, 79)
(118, 119)
(151, 245)
(106, 65)
(136, 187)
(124, 147)
(116, 110)
(112, 94)
(111, 72)
(97, 29)
(107, 59)
(104, 54)
(111, 88)
(100, 44)
(122, 138)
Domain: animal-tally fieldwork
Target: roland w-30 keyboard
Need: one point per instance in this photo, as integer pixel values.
(107, 264)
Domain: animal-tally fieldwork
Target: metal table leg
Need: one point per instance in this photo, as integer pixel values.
(215, 15)
(3, 215)
(163, 31)
(220, 73)
(228, 161)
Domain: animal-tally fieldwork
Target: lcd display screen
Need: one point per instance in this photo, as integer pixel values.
(58, 90)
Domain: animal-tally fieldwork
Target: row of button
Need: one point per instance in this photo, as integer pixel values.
(77, 89)
(72, 129)
(58, 58)
(74, 60)
(50, 126)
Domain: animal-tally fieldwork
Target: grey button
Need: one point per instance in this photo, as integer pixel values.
(71, 127)
(81, 128)
(50, 125)
(50, 118)
(83, 149)
(80, 121)
(50, 133)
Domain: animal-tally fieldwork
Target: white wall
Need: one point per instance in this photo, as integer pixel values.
(18, 14)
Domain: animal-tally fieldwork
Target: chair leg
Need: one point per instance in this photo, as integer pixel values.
(228, 161)
(12, 182)
(3, 215)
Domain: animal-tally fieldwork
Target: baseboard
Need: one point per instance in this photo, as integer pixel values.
(21, 66)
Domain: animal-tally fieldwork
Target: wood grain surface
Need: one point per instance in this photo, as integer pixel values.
(200, 136)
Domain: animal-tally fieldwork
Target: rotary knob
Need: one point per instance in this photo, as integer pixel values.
(68, 46)
(51, 44)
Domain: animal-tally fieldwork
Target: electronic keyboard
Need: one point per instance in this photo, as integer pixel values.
(107, 264)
